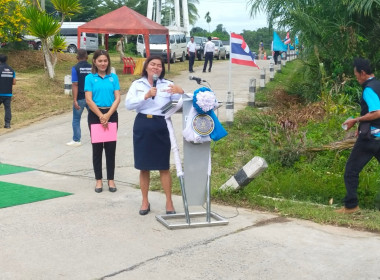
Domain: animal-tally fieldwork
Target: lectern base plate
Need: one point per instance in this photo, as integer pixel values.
(198, 219)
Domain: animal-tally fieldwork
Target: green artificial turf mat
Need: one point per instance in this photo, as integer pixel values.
(15, 194)
(11, 169)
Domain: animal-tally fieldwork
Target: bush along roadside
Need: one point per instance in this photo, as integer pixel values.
(306, 150)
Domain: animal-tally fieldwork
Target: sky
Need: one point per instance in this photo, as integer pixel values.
(233, 14)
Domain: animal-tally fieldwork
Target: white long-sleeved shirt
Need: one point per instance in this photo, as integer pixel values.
(209, 47)
(136, 93)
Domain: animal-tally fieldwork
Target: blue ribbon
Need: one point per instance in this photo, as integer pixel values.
(219, 132)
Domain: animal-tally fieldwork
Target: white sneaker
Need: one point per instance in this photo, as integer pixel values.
(73, 143)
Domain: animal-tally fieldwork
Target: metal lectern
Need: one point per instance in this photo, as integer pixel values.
(195, 184)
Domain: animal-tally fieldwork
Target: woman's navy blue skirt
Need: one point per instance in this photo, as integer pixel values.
(151, 143)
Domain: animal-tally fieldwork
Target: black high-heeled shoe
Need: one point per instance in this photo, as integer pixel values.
(170, 212)
(112, 189)
(146, 211)
(97, 189)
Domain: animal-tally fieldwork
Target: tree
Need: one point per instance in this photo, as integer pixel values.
(208, 20)
(364, 6)
(46, 27)
(168, 11)
(253, 38)
(89, 11)
(12, 20)
(198, 31)
(107, 6)
(193, 11)
(221, 33)
(332, 32)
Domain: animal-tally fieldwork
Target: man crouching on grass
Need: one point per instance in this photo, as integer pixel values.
(367, 144)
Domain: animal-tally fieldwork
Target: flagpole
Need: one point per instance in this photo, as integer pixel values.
(229, 70)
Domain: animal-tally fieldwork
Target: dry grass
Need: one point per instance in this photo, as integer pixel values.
(291, 112)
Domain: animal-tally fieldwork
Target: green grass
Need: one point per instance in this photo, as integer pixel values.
(15, 194)
(298, 183)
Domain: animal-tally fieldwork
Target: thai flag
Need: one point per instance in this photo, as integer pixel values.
(287, 39)
(240, 53)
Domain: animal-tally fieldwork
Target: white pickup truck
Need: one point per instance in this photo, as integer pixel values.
(227, 46)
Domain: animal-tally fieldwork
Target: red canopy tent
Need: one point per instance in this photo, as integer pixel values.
(125, 21)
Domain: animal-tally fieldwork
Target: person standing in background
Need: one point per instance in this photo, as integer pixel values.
(275, 57)
(7, 81)
(191, 49)
(102, 90)
(120, 48)
(209, 54)
(78, 75)
(261, 50)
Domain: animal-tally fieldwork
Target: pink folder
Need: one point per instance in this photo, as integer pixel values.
(101, 134)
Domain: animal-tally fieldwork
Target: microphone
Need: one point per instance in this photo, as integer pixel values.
(198, 80)
(155, 78)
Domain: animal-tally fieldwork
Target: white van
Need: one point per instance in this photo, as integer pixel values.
(89, 41)
(158, 45)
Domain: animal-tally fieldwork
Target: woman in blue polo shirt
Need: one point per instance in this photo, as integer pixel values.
(102, 91)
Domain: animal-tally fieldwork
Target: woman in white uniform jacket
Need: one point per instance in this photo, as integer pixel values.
(151, 142)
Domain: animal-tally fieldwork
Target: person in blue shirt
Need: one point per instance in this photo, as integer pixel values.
(367, 144)
(102, 90)
(78, 75)
(7, 81)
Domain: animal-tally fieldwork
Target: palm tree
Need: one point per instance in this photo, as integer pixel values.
(46, 27)
(193, 11)
(208, 20)
(331, 32)
(168, 10)
(363, 6)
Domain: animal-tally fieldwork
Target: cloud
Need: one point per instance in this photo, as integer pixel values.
(233, 14)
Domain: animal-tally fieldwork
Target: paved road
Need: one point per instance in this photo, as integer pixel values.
(93, 236)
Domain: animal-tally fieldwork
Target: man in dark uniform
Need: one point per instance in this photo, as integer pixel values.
(78, 75)
(367, 145)
(7, 80)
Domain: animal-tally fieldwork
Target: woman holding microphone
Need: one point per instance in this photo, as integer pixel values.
(102, 90)
(151, 142)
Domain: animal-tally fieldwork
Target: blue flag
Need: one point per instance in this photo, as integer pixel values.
(278, 45)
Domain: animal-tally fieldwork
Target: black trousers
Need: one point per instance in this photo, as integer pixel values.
(191, 61)
(208, 58)
(6, 100)
(275, 57)
(362, 152)
(97, 148)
